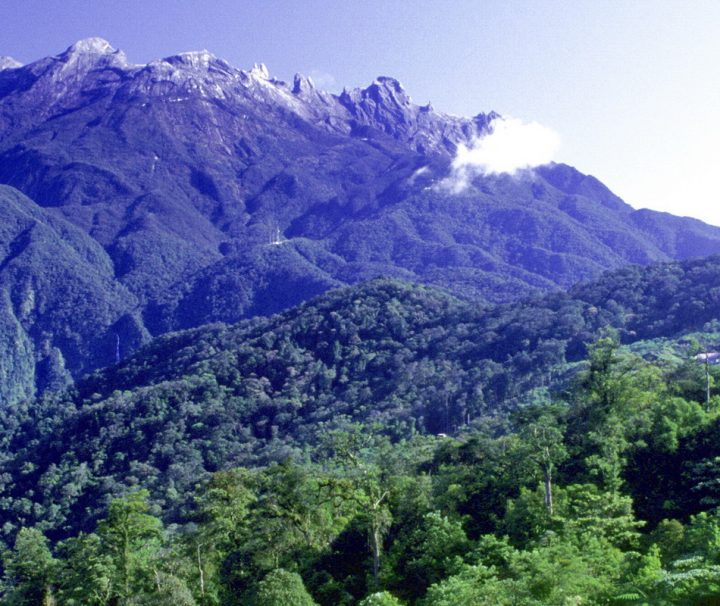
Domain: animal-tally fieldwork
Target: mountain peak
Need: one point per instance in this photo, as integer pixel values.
(302, 84)
(9, 63)
(388, 91)
(260, 71)
(89, 53)
(93, 46)
(197, 59)
(389, 82)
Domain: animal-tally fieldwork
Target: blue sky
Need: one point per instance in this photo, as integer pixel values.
(631, 87)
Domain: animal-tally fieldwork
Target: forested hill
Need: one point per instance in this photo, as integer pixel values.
(381, 333)
(410, 358)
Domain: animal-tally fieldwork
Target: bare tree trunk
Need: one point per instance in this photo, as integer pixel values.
(707, 381)
(547, 473)
(48, 599)
(376, 541)
(202, 574)
(376, 532)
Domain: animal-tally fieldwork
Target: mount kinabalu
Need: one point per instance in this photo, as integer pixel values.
(186, 191)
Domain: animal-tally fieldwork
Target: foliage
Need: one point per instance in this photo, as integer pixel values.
(382, 598)
(408, 359)
(361, 519)
(304, 443)
(30, 569)
(282, 588)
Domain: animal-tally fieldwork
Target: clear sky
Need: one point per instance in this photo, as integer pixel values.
(632, 87)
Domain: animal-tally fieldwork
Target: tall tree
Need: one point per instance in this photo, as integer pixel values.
(29, 570)
(361, 479)
(131, 536)
(87, 572)
(612, 409)
(224, 507)
(541, 435)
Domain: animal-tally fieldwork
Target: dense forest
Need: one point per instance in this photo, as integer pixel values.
(605, 495)
(382, 444)
(445, 428)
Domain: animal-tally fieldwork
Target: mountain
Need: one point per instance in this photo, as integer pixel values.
(215, 194)
(406, 358)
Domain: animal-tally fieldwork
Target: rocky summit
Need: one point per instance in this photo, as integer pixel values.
(140, 199)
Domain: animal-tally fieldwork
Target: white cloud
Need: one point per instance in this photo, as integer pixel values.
(509, 147)
(323, 80)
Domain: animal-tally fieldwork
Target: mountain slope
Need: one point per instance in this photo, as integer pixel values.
(63, 313)
(219, 194)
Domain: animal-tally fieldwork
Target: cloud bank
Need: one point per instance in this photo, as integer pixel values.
(511, 146)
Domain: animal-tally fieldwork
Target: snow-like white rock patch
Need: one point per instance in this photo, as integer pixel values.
(95, 46)
(9, 63)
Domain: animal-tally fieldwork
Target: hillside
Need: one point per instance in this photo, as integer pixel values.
(62, 311)
(409, 358)
(215, 194)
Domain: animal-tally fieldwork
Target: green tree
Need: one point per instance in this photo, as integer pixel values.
(428, 554)
(582, 511)
(87, 572)
(557, 573)
(591, 512)
(643, 582)
(381, 598)
(526, 518)
(475, 477)
(224, 508)
(669, 537)
(702, 536)
(362, 479)
(291, 517)
(690, 581)
(473, 585)
(612, 410)
(29, 569)
(541, 433)
(169, 591)
(283, 588)
(131, 536)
